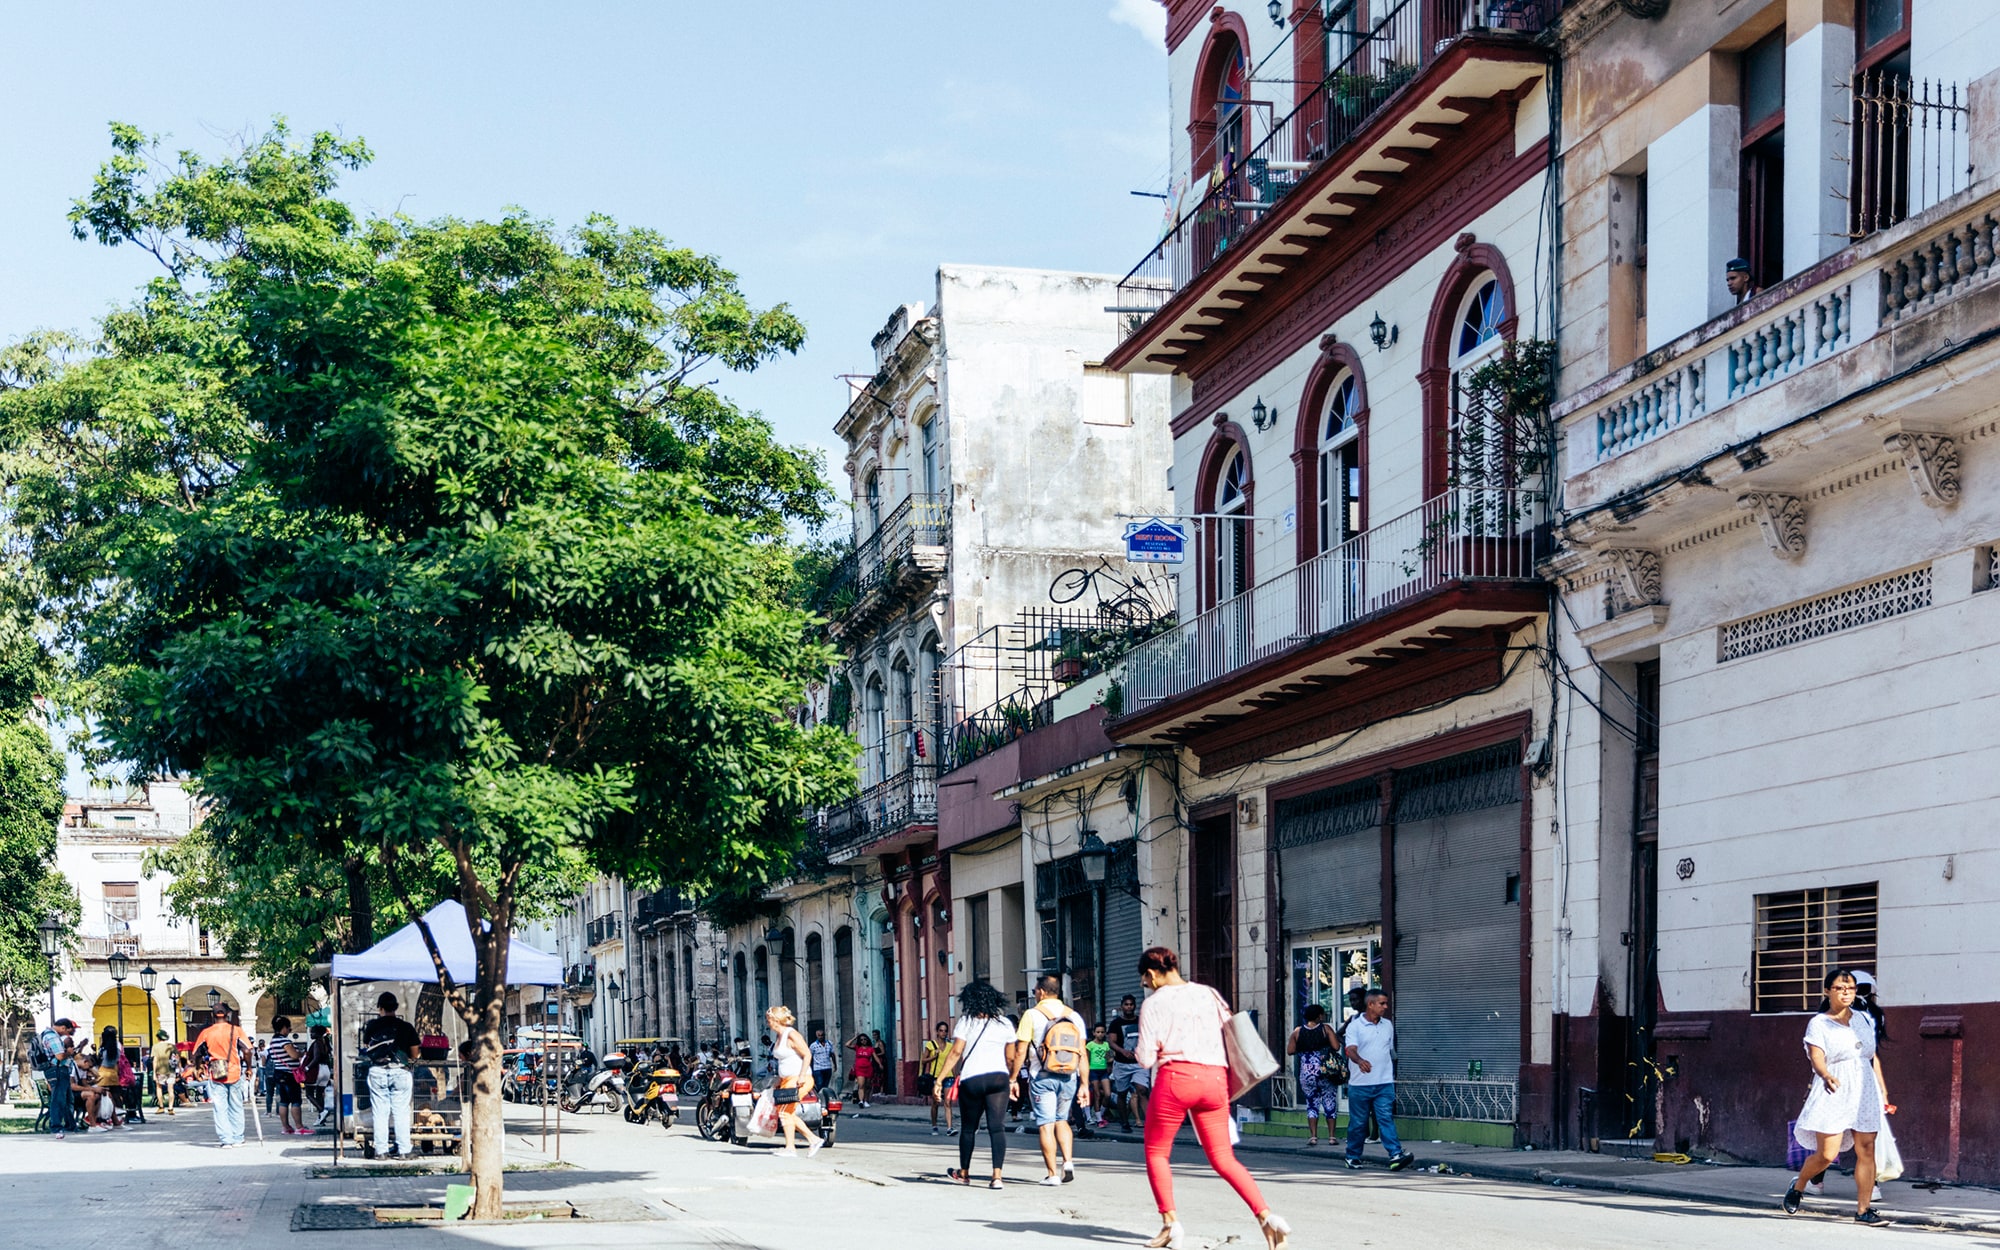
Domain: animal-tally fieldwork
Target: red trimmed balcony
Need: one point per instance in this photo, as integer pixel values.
(1427, 71)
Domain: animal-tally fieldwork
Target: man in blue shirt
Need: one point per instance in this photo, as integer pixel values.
(58, 1053)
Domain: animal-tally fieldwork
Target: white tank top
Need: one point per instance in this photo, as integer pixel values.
(790, 1063)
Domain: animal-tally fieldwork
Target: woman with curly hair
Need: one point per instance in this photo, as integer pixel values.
(980, 1059)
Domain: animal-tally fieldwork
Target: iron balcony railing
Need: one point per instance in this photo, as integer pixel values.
(605, 928)
(1247, 179)
(918, 521)
(897, 802)
(1465, 534)
(1908, 147)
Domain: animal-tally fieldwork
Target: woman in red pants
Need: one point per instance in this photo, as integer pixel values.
(1180, 1038)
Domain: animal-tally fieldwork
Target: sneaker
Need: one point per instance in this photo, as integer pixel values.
(1793, 1197)
(1050, 1181)
(1870, 1216)
(1354, 1165)
(1402, 1161)
(1069, 1172)
(1816, 1187)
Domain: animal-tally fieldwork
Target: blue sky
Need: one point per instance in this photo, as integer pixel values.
(833, 154)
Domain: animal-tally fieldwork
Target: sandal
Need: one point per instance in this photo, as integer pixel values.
(957, 1174)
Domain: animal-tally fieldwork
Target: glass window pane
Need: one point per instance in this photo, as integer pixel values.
(1764, 79)
(1881, 19)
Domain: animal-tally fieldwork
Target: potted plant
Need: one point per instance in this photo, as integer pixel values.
(1354, 94)
(1069, 664)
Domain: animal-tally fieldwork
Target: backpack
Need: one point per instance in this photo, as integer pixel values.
(38, 1054)
(1062, 1050)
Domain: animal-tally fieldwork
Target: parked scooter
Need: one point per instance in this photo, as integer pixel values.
(818, 1113)
(708, 1088)
(595, 1083)
(650, 1091)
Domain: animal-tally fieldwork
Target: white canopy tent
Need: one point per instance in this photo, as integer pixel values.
(403, 957)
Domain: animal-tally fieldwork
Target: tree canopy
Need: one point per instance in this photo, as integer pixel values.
(419, 543)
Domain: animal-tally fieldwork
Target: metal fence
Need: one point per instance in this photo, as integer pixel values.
(1908, 148)
(1251, 173)
(896, 802)
(1464, 534)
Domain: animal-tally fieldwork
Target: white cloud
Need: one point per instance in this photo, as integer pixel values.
(1148, 17)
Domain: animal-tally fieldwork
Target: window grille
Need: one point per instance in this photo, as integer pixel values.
(1330, 813)
(1803, 933)
(1488, 777)
(1829, 614)
(1992, 569)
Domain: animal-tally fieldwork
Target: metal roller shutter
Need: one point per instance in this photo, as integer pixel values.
(1122, 948)
(1330, 858)
(1458, 935)
(1458, 947)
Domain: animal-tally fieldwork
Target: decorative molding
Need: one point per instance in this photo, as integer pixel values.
(1634, 581)
(1932, 462)
(1782, 518)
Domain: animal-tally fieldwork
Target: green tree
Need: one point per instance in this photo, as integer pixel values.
(481, 580)
(31, 802)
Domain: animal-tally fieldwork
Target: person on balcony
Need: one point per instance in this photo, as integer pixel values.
(1736, 275)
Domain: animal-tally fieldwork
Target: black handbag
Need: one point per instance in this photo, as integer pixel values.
(784, 1095)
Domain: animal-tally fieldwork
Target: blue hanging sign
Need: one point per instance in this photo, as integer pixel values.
(1155, 542)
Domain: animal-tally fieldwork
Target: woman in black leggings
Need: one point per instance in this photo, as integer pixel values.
(979, 1058)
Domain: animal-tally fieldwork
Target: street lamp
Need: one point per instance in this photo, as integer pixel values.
(51, 934)
(611, 998)
(147, 980)
(121, 967)
(174, 997)
(1095, 856)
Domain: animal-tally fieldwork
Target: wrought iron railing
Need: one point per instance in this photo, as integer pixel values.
(1464, 534)
(1908, 148)
(605, 928)
(1247, 179)
(994, 726)
(897, 802)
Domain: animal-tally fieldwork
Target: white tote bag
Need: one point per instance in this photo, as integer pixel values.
(1251, 1062)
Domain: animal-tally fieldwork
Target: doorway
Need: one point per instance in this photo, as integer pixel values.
(1212, 885)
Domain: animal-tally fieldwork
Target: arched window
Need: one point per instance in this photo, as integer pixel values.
(927, 436)
(1340, 506)
(1218, 127)
(904, 724)
(876, 728)
(1232, 546)
(930, 676)
(873, 491)
(1479, 452)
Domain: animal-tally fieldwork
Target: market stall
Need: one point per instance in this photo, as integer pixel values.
(402, 963)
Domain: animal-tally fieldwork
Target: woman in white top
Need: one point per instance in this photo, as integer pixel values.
(1846, 1103)
(1180, 1037)
(794, 1078)
(980, 1057)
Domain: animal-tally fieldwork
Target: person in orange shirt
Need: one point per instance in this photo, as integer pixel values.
(220, 1050)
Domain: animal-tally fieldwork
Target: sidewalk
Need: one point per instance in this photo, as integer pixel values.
(1961, 1208)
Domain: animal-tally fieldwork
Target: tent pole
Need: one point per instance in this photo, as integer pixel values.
(339, 1120)
(559, 1072)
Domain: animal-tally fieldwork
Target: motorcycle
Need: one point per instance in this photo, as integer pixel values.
(817, 1113)
(708, 1088)
(594, 1083)
(650, 1091)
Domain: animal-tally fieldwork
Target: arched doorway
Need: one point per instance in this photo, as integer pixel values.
(197, 1004)
(130, 1010)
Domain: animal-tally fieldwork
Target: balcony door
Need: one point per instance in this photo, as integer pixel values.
(1340, 585)
(1212, 890)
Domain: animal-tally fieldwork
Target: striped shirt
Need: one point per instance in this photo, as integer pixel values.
(279, 1055)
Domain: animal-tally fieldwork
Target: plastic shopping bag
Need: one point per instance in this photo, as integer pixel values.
(1888, 1159)
(764, 1116)
(1795, 1154)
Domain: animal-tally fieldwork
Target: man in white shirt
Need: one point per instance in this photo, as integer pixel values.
(823, 1061)
(1370, 1039)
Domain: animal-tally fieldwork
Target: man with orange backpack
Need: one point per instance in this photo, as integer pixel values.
(1051, 1043)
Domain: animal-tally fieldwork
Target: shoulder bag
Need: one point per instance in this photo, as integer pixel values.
(1250, 1061)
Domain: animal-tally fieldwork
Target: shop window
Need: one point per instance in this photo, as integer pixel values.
(1801, 934)
(1761, 188)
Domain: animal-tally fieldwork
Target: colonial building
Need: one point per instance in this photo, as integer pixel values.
(1782, 515)
(101, 848)
(988, 452)
(1346, 732)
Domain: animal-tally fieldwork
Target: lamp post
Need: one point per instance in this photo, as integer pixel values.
(50, 931)
(121, 967)
(174, 997)
(611, 1000)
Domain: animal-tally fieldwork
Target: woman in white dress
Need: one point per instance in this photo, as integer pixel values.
(794, 1079)
(1845, 1105)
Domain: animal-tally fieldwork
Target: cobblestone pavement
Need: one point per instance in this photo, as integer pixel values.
(165, 1185)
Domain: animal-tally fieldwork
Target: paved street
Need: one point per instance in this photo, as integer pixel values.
(164, 1185)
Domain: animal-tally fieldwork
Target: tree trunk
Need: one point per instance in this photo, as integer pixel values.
(360, 906)
(485, 1131)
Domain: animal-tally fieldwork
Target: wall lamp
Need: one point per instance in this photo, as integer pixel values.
(1261, 417)
(1381, 333)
